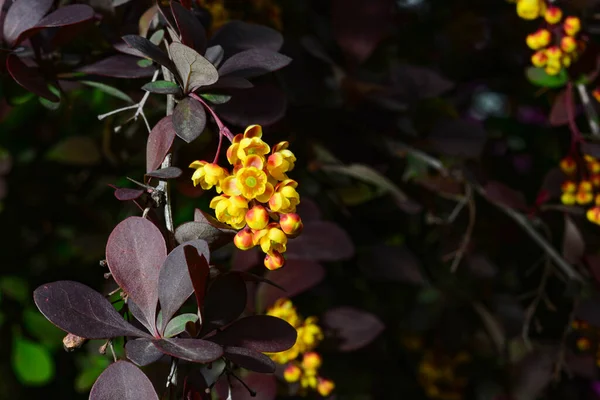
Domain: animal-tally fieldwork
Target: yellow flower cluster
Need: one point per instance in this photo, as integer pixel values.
(257, 197)
(565, 47)
(581, 187)
(302, 361)
(438, 375)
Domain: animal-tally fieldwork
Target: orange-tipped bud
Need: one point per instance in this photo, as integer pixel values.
(538, 39)
(257, 217)
(553, 53)
(568, 165)
(292, 373)
(291, 224)
(583, 198)
(553, 15)
(585, 186)
(593, 167)
(243, 239)
(596, 94)
(571, 26)
(311, 361)
(539, 59)
(566, 61)
(325, 387)
(568, 199)
(583, 344)
(274, 260)
(568, 44)
(568, 187)
(593, 215)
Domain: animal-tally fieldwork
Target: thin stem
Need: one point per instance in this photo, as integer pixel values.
(469, 232)
(112, 350)
(590, 111)
(172, 378)
(118, 110)
(222, 128)
(218, 149)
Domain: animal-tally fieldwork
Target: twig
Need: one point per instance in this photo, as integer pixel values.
(172, 378)
(563, 342)
(469, 232)
(590, 111)
(112, 350)
(530, 312)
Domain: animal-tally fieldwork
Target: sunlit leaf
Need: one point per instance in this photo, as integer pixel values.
(177, 324)
(194, 70)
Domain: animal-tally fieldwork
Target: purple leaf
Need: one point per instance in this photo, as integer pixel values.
(191, 30)
(236, 36)
(80, 310)
(150, 50)
(533, 373)
(199, 271)
(165, 173)
(573, 242)
(194, 70)
(262, 105)
(229, 82)
(250, 359)
(321, 241)
(502, 194)
(194, 350)
(28, 77)
(125, 194)
(244, 260)
(359, 26)
(297, 276)
(215, 55)
(189, 119)
(458, 138)
(225, 300)
(68, 15)
(262, 333)
(135, 252)
(413, 80)
(160, 140)
(210, 230)
(174, 283)
(124, 381)
(588, 310)
(264, 385)
(23, 15)
(308, 210)
(391, 263)
(119, 66)
(142, 352)
(253, 62)
(355, 328)
(138, 314)
(559, 115)
(195, 386)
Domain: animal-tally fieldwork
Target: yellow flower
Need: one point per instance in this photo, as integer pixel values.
(247, 144)
(571, 26)
(251, 182)
(538, 39)
(568, 165)
(292, 373)
(553, 15)
(568, 187)
(308, 381)
(309, 334)
(596, 94)
(207, 175)
(568, 199)
(583, 198)
(284, 309)
(311, 361)
(291, 224)
(281, 161)
(286, 198)
(230, 210)
(325, 387)
(257, 217)
(530, 9)
(585, 186)
(593, 215)
(553, 53)
(274, 260)
(539, 59)
(595, 179)
(568, 44)
(271, 239)
(243, 239)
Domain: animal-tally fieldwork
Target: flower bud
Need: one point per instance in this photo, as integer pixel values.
(311, 361)
(292, 373)
(568, 165)
(583, 198)
(585, 186)
(274, 260)
(257, 217)
(325, 387)
(291, 224)
(553, 15)
(568, 187)
(243, 239)
(572, 25)
(539, 59)
(568, 44)
(568, 199)
(596, 94)
(593, 215)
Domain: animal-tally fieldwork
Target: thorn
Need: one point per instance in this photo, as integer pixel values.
(107, 275)
(103, 263)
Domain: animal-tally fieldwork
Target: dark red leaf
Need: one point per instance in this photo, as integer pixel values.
(591, 149)
(391, 263)
(126, 194)
(135, 252)
(174, 283)
(68, 15)
(150, 50)
(225, 300)
(138, 314)
(199, 271)
(160, 140)
(244, 260)
(355, 328)
(142, 352)
(23, 15)
(194, 350)
(229, 82)
(236, 36)
(119, 66)
(308, 210)
(124, 381)
(262, 333)
(216, 234)
(195, 386)
(320, 241)
(359, 26)
(416, 81)
(253, 62)
(189, 119)
(500, 193)
(80, 310)
(30, 78)
(588, 310)
(250, 359)
(593, 263)
(559, 115)
(191, 30)
(261, 104)
(295, 277)
(165, 173)
(573, 243)
(533, 373)
(264, 385)
(455, 137)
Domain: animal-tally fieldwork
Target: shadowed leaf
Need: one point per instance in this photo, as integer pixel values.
(30, 78)
(194, 350)
(262, 333)
(162, 87)
(124, 381)
(216, 234)
(458, 138)
(68, 15)
(199, 271)
(250, 359)
(135, 252)
(559, 115)
(174, 283)
(244, 260)
(391, 263)
(230, 82)
(119, 66)
(194, 70)
(262, 105)
(539, 77)
(573, 242)
(214, 54)
(252, 63)
(165, 173)
(76, 150)
(191, 30)
(235, 36)
(355, 328)
(23, 15)
(534, 373)
(142, 352)
(189, 119)
(225, 300)
(150, 50)
(321, 241)
(32, 362)
(264, 385)
(502, 194)
(160, 140)
(80, 310)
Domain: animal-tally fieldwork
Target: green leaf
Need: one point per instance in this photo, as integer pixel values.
(162, 87)
(194, 70)
(216, 98)
(539, 77)
(37, 325)
(109, 90)
(76, 150)
(31, 362)
(144, 63)
(51, 105)
(157, 37)
(15, 288)
(177, 324)
(93, 366)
